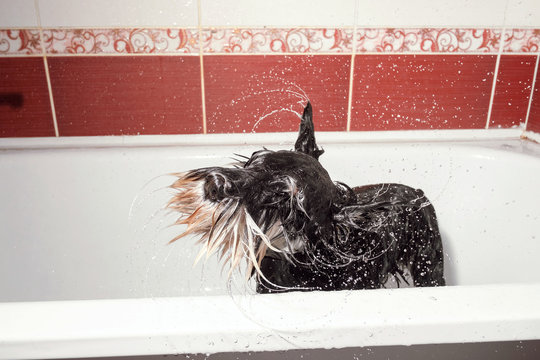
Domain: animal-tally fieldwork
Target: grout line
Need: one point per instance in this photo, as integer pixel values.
(105, 54)
(493, 86)
(220, 27)
(46, 67)
(497, 65)
(11, 56)
(351, 83)
(274, 54)
(351, 74)
(201, 65)
(51, 98)
(495, 76)
(374, 27)
(105, 27)
(533, 84)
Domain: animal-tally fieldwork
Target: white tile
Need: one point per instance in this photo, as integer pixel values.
(523, 13)
(118, 13)
(430, 13)
(276, 13)
(17, 13)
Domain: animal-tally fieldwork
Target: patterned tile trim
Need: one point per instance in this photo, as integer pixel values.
(121, 41)
(261, 41)
(522, 40)
(19, 42)
(428, 40)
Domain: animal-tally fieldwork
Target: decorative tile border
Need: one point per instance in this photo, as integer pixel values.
(121, 41)
(19, 42)
(428, 40)
(26, 42)
(260, 41)
(522, 40)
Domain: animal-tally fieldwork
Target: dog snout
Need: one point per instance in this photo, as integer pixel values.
(215, 187)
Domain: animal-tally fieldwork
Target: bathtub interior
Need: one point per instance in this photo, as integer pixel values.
(86, 269)
(82, 223)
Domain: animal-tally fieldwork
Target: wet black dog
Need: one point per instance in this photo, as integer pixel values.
(298, 230)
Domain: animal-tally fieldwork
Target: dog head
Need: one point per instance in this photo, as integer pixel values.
(276, 200)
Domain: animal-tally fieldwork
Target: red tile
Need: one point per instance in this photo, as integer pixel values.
(512, 90)
(25, 109)
(126, 95)
(533, 124)
(400, 92)
(267, 93)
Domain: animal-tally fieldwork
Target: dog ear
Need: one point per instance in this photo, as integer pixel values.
(306, 135)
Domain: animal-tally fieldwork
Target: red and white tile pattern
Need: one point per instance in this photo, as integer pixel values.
(121, 41)
(265, 41)
(428, 40)
(19, 42)
(403, 78)
(522, 40)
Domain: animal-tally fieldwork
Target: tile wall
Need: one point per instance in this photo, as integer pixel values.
(79, 68)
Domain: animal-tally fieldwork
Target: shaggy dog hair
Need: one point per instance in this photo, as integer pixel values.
(296, 229)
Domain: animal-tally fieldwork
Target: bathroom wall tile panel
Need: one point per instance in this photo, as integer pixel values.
(400, 92)
(267, 93)
(25, 109)
(512, 91)
(285, 13)
(521, 12)
(118, 13)
(19, 42)
(427, 13)
(427, 40)
(126, 95)
(522, 40)
(267, 41)
(18, 13)
(534, 116)
(121, 41)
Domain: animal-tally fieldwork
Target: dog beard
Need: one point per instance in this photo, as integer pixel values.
(226, 227)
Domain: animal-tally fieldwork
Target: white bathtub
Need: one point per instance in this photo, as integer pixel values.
(85, 269)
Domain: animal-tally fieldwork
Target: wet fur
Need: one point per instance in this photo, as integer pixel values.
(280, 212)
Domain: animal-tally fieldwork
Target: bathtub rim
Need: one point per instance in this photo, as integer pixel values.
(152, 326)
(270, 139)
